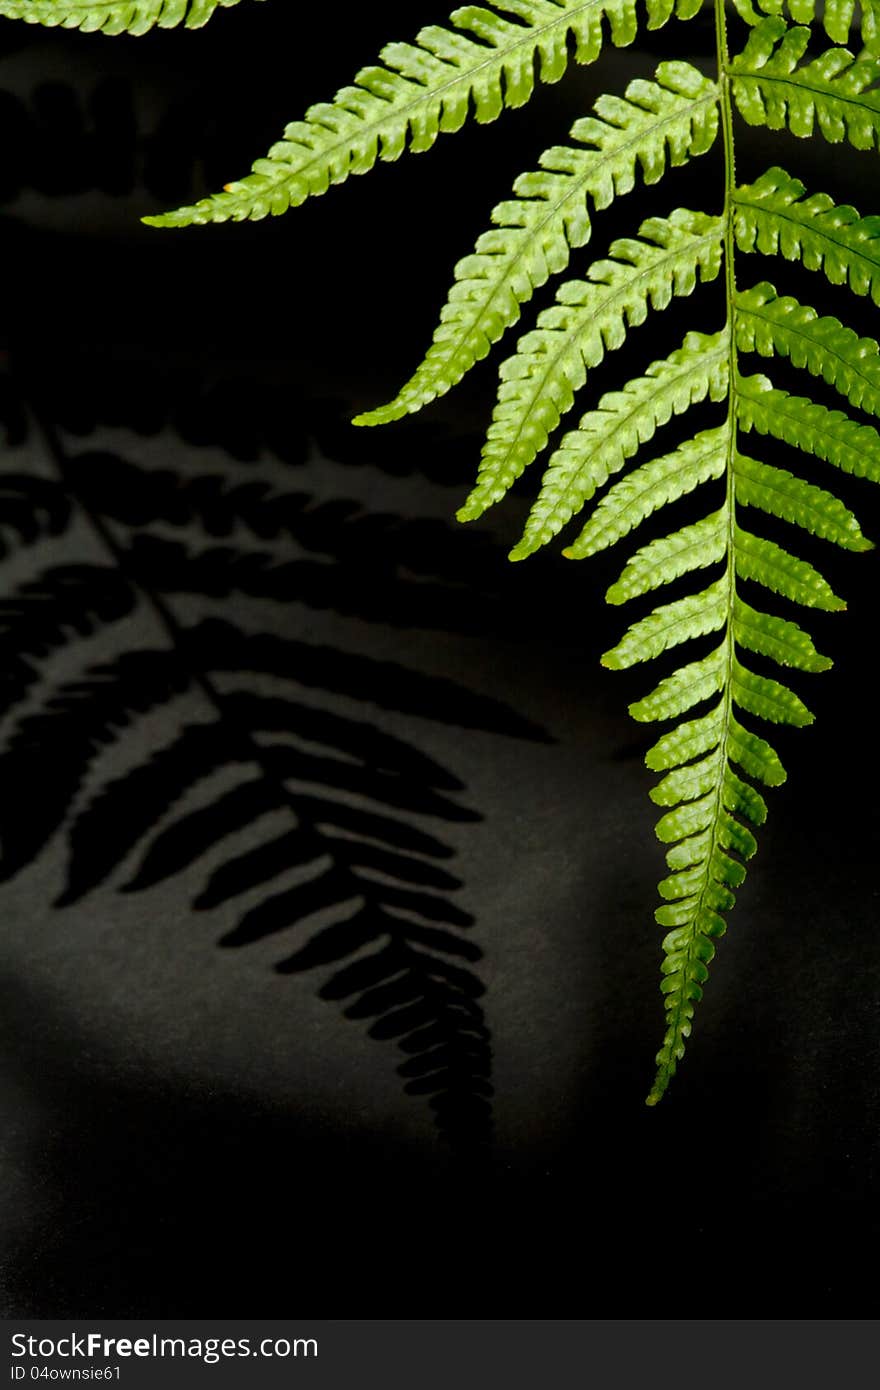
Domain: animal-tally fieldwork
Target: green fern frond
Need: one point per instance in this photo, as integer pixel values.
(114, 16)
(670, 557)
(834, 93)
(590, 318)
(710, 807)
(770, 324)
(669, 625)
(687, 687)
(707, 829)
(774, 568)
(707, 760)
(780, 639)
(782, 494)
(610, 435)
(712, 764)
(775, 216)
(483, 63)
(654, 124)
(829, 434)
(650, 487)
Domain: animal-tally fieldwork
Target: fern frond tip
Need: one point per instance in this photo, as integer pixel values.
(468, 513)
(380, 415)
(163, 220)
(657, 1091)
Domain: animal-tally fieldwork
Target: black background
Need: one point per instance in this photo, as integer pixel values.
(190, 1132)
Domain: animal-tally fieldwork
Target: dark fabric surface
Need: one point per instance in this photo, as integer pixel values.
(329, 968)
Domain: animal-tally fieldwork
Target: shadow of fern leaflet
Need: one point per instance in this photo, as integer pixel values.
(419, 573)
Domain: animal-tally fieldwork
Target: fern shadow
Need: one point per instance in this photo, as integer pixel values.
(182, 732)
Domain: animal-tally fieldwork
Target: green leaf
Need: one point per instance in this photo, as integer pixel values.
(670, 625)
(612, 433)
(590, 318)
(688, 818)
(651, 486)
(770, 324)
(778, 638)
(836, 16)
(755, 756)
(689, 686)
(687, 783)
(656, 123)
(780, 493)
(669, 557)
(488, 58)
(776, 217)
(690, 851)
(768, 564)
(735, 836)
(766, 698)
(742, 800)
(689, 740)
(829, 434)
(114, 16)
(687, 949)
(832, 93)
(485, 62)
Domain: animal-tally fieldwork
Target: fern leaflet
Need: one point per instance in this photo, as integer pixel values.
(114, 16)
(608, 436)
(771, 324)
(485, 62)
(834, 93)
(590, 318)
(655, 122)
(774, 215)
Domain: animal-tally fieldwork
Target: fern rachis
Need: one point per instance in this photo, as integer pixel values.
(710, 757)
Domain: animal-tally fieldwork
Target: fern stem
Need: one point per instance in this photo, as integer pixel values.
(678, 1018)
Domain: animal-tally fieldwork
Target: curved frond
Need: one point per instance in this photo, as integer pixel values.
(667, 558)
(776, 216)
(774, 568)
(114, 16)
(650, 487)
(829, 434)
(670, 625)
(835, 93)
(654, 124)
(612, 433)
(590, 318)
(483, 63)
(780, 493)
(771, 324)
(709, 763)
(780, 639)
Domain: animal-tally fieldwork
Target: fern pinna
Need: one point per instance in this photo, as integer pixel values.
(712, 760)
